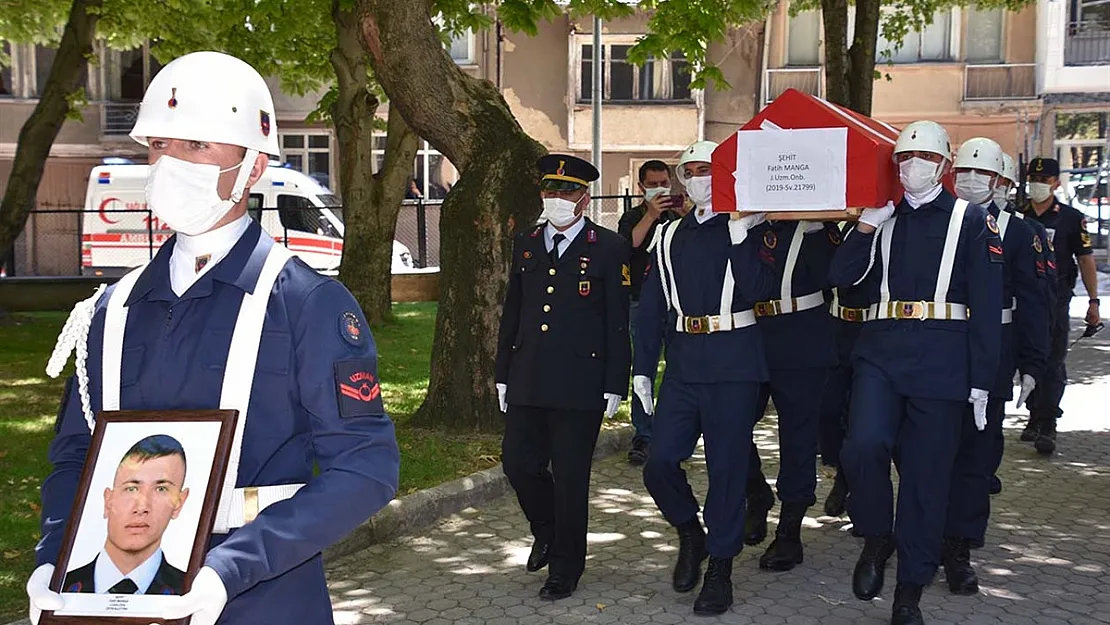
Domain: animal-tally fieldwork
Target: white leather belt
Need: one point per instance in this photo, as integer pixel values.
(917, 310)
(246, 503)
(715, 323)
(855, 315)
(775, 307)
(1007, 316)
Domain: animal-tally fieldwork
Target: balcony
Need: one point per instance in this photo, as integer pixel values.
(1087, 43)
(118, 118)
(1016, 81)
(805, 79)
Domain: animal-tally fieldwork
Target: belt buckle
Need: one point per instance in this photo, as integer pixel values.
(250, 504)
(766, 309)
(852, 314)
(911, 310)
(696, 325)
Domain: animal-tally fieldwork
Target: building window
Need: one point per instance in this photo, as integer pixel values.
(309, 154)
(934, 43)
(462, 48)
(984, 35)
(44, 60)
(432, 174)
(803, 37)
(1090, 14)
(658, 80)
(6, 88)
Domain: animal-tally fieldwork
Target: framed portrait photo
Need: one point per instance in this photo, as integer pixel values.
(145, 507)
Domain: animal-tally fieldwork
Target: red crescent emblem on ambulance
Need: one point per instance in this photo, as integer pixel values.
(103, 206)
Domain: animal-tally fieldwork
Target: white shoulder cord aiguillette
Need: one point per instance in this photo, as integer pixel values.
(75, 335)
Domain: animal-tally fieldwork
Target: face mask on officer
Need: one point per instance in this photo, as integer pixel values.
(918, 176)
(1001, 194)
(698, 179)
(973, 186)
(1040, 191)
(561, 212)
(185, 195)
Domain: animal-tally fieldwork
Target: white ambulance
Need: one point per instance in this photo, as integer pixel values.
(118, 232)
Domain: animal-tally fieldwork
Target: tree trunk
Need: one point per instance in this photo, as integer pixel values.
(834, 14)
(468, 121)
(370, 202)
(67, 75)
(861, 70)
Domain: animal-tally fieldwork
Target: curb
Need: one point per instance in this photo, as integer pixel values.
(425, 507)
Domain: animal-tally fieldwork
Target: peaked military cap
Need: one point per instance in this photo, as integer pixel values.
(1043, 167)
(563, 172)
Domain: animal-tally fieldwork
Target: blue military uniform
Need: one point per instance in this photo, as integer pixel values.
(800, 344)
(314, 342)
(916, 360)
(1025, 348)
(713, 376)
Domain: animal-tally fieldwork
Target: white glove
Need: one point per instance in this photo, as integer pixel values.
(875, 217)
(978, 401)
(738, 228)
(204, 602)
(641, 387)
(38, 591)
(614, 402)
(502, 389)
(1027, 386)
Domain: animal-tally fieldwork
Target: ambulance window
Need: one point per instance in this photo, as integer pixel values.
(298, 213)
(254, 206)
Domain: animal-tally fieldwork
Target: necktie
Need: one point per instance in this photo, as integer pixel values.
(124, 587)
(554, 254)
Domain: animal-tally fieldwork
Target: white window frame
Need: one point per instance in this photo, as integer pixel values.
(424, 152)
(820, 40)
(578, 41)
(471, 49)
(1003, 38)
(305, 151)
(955, 28)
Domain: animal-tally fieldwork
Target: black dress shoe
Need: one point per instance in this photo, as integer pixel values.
(905, 610)
(1046, 439)
(691, 553)
(868, 577)
(755, 520)
(785, 551)
(1032, 429)
(557, 587)
(957, 567)
(834, 503)
(638, 455)
(716, 591)
(537, 559)
(995, 485)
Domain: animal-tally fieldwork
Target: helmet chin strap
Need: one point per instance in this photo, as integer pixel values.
(245, 169)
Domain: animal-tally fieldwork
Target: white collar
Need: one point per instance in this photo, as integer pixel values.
(107, 575)
(704, 213)
(208, 248)
(570, 233)
(916, 202)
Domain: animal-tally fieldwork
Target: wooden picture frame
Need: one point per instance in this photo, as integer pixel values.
(204, 439)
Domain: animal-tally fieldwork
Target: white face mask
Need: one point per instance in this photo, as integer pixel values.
(918, 175)
(558, 211)
(651, 194)
(973, 187)
(184, 195)
(1040, 191)
(700, 190)
(1001, 195)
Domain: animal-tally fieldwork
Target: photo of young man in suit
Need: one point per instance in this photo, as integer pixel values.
(147, 492)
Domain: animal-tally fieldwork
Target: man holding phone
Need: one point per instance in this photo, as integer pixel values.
(638, 226)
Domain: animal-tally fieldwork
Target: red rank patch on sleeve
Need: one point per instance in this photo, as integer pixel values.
(358, 390)
(995, 250)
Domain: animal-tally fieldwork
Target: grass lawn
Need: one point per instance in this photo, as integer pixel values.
(29, 404)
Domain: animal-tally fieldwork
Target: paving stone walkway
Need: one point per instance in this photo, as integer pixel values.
(1047, 559)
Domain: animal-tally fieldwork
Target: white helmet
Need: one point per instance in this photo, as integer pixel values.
(980, 153)
(1009, 168)
(701, 151)
(924, 136)
(209, 96)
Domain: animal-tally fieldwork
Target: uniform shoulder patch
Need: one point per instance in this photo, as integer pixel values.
(357, 388)
(770, 239)
(1037, 244)
(992, 225)
(994, 248)
(834, 235)
(626, 275)
(350, 328)
(1084, 236)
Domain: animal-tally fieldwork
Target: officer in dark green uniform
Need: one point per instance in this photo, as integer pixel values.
(563, 359)
(1067, 234)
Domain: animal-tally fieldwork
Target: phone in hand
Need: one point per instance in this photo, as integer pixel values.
(673, 201)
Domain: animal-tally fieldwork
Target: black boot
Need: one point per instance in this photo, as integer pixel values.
(786, 549)
(905, 611)
(1031, 431)
(957, 567)
(716, 591)
(760, 503)
(1046, 438)
(995, 485)
(867, 579)
(691, 553)
(834, 503)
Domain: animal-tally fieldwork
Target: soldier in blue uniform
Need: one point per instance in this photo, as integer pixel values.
(1046, 268)
(222, 317)
(563, 356)
(979, 165)
(707, 273)
(920, 359)
(800, 344)
(1067, 232)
